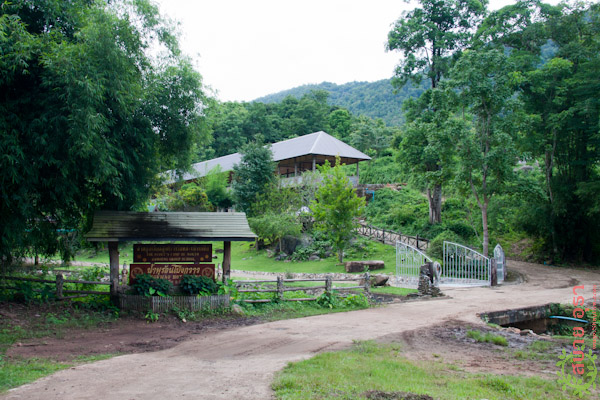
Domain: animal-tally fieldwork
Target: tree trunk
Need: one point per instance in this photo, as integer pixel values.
(434, 196)
(484, 219)
(340, 255)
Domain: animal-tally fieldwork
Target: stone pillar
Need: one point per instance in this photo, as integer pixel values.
(314, 162)
(494, 272)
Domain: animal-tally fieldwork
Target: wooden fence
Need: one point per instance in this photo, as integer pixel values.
(390, 237)
(280, 287)
(161, 304)
(59, 282)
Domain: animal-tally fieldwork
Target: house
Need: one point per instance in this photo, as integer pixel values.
(293, 156)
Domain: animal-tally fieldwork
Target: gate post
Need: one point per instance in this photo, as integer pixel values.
(494, 272)
(280, 287)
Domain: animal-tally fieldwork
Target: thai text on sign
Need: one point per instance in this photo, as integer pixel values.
(171, 272)
(155, 253)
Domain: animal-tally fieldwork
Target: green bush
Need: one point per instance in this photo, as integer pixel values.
(193, 285)
(436, 246)
(147, 285)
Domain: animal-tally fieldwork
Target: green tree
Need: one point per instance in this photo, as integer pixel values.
(340, 121)
(255, 171)
(275, 226)
(486, 152)
(88, 116)
(427, 144)
(556, 50)
(336, 207)
(191, 197)
(429, 37)
(215, 185)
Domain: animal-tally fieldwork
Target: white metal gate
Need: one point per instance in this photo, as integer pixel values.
(500, 263)
(463, 266)
(409, 260)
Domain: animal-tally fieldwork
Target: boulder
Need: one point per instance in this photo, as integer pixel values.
(314, 257)
(237, 309)
(359, 266)
(289, 244)
(281, 256)
(379, 280)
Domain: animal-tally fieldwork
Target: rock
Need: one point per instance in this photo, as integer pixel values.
(270, 253)
(237, 309)
(306, 240)
(314, 257)
(359, 266)
(289, 244)
(281, 256)
(526, 332)
(513, 330)
(379, 280)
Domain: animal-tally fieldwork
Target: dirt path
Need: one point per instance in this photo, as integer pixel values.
(240, 363)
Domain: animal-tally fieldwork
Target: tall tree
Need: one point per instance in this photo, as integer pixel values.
(254, 173)
(486, 152)
(88, 115)
(336, 207)
(556, 50)
(429, 37)
(427, 144)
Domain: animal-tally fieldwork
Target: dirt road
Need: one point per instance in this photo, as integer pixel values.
(240, 363)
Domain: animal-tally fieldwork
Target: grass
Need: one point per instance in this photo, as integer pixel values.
(368, 366)
(392, 290)
(19, 371)
(57, 322)
(245, 257)
(488, 338)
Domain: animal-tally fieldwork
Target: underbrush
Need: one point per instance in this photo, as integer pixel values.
(368, 367)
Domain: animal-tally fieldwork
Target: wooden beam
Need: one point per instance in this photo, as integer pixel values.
(113, 254)
(226, 260)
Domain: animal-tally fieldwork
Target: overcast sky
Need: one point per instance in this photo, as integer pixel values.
(245, 49)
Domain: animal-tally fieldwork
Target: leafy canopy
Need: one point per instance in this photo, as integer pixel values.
(88, 114)
(336, 207)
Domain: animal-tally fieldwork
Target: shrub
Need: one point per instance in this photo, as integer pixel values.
(193, 285)
(144, 283)
(436, 246)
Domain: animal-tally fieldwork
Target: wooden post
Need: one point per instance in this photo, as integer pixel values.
(280, 288)
(113, 254)
(494, 272)
(367, 282)
(328, 284)
(226, 260)
(59, 286)
(357, 174)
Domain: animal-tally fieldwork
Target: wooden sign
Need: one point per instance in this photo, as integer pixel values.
(171, 272)
(155, 253)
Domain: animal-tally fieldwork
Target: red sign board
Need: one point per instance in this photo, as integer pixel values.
(156, 253)
(171, 272)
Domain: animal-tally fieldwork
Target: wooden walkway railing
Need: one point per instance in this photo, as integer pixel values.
(59, 282)
(390, 237)
(280, 287)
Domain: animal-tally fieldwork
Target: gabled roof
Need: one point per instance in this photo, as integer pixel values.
(317, 143)
(120, 226)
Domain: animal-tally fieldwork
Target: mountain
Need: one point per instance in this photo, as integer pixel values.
(373, 99)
